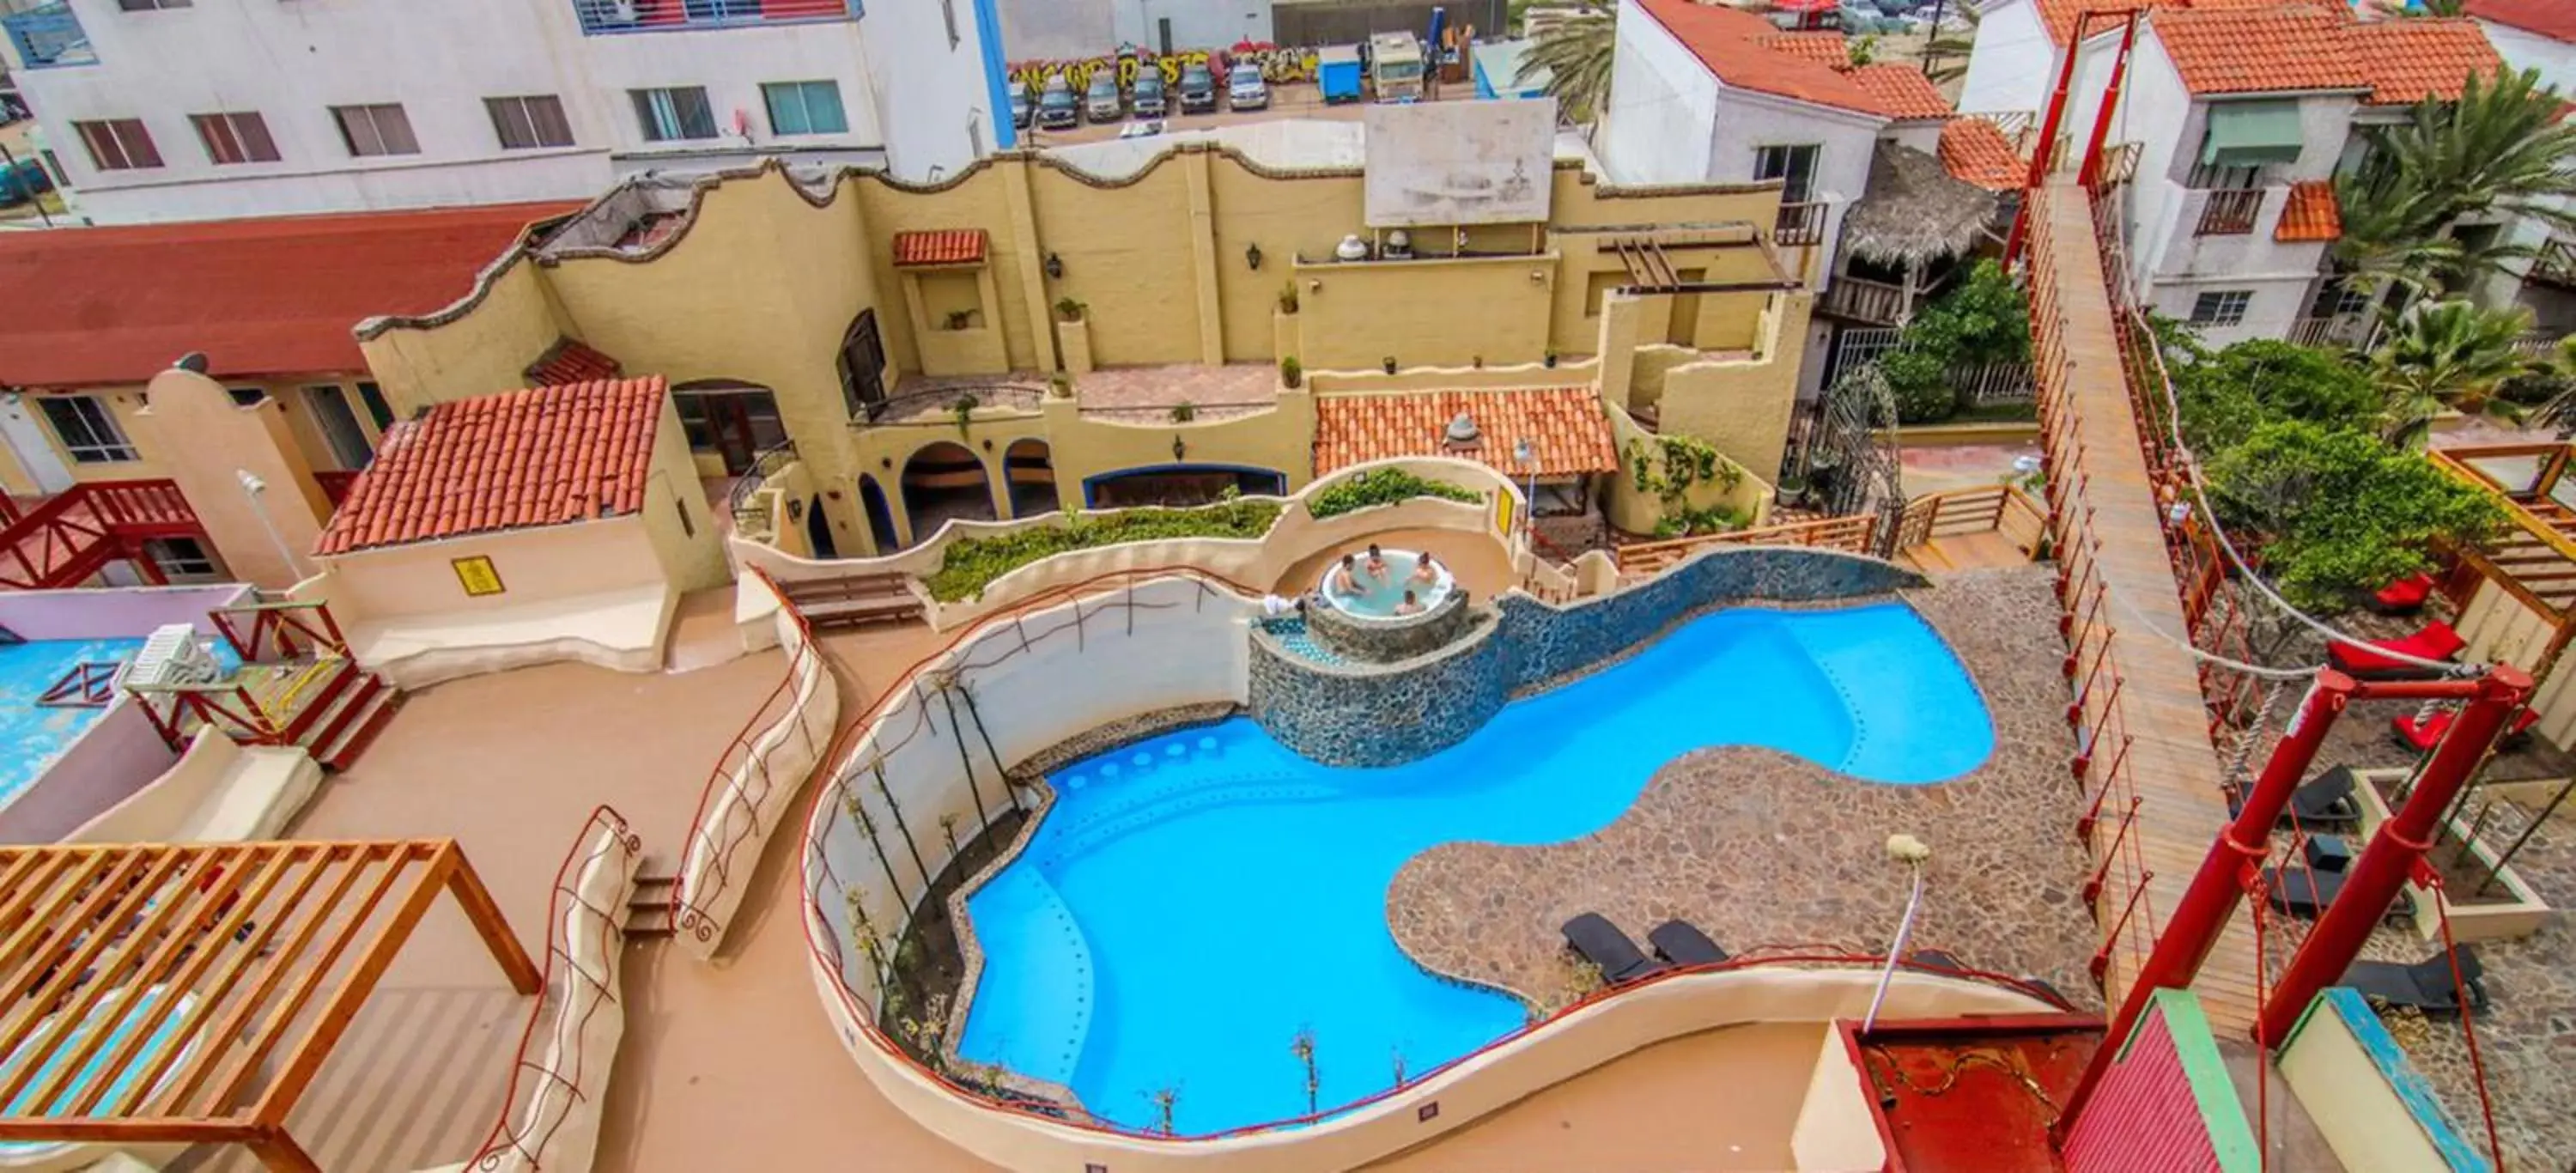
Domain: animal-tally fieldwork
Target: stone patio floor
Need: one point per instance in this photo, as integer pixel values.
(1762, 849)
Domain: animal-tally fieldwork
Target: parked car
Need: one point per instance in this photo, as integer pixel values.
(1102, 102)
(1244, 89)
(1147, 94)
(1198, 89)
(1020, 111)
(1057, 108)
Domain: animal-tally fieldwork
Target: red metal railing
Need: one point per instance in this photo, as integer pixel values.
(263, 633)
(2118, 887)
(72, 535)
(501, 1140)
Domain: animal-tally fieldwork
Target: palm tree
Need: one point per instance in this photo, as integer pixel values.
(2499, 152)
(2445, 354)
(1575, 51)
(2560, 411)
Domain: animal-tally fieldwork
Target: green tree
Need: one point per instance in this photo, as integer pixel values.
(1576, 52)
(2445, 354)
(2338, 512)
(1982, 320)
(2226, 394)
(2501, 151)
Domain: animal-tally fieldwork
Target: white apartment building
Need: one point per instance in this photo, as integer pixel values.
(160, 110)
(2241, 114)
(2538, 35)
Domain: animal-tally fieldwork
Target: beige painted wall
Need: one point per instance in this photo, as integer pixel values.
(2361, 1117)
(205, 441)
(750, 291)
(1836, 1126)
(679, 522)
(540, 565)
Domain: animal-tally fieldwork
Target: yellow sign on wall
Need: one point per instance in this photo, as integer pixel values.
(1503, 514)
(476, 575)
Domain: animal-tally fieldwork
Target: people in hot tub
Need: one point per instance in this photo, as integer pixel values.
(1346, 578)
(1410, 605)
(1424, 573)
(1377, 563)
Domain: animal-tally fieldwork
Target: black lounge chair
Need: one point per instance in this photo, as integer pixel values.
(2324, 800)
(1593, 938)
(1681, 942)
(2425, 985)
(2307, 892)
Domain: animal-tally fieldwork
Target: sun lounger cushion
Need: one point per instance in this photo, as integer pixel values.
(2403, 595)
(2436, 641)
(1681, 943)
(1596, 940)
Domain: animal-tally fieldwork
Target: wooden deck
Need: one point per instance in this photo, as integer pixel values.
(2176, 770)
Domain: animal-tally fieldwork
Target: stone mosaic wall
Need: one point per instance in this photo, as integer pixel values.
(1550, 642)
(1364, 714)
(1380, 715)
(1387, 641)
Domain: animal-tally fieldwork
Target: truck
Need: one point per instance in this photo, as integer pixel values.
(1395, 67)
(1337, 73)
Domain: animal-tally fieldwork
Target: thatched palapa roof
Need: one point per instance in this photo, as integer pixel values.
(1915, 212)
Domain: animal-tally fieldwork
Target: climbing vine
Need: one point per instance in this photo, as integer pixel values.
(1670, 467)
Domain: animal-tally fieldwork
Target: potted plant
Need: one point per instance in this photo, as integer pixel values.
(1059, 386)
(1792, 490)
(1549, 357)
(964, 410)
(1288, 298)
(961, 319)
(1184, 411)
(1290, 373)
(1070, 310)
(1389, 363)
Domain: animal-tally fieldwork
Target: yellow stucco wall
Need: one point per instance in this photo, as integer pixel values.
(126, 403)
(764, 281)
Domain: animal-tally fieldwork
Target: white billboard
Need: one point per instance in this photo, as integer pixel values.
(1441, 163)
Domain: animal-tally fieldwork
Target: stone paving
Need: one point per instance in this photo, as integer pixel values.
(2527, 1037)
(1762, 849)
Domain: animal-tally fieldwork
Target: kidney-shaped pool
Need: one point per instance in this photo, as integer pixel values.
(1195, 901)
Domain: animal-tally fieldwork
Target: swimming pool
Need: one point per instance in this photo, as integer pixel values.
(93, 1070)
(32, 735)
(1194, 901)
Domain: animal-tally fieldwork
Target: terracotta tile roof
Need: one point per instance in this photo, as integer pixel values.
(1743, 50)
(2410, 60)
(2058, 16)
(946, 246)
(519, 459)
(2555, 19)
(1902, 90)
(1976, 151)
(570, 361)
(1830, 50)
(2311, 213)
(2290, 48)
(261, 297)
(1567, 423)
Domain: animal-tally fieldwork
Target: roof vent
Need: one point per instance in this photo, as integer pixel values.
(194, 360)
(1462, 434)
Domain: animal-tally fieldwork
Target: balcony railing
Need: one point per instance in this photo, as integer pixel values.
(2537, 343)
(1799, 224)
(2351, 331)
(2556, 262)
(49, 36)
(1859, 300)
(657, 16)
(2231, 212)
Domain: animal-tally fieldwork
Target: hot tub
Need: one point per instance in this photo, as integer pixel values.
(1378, 599)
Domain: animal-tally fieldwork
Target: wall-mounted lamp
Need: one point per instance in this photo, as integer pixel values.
(885, 462)
(1055, 267)
(1252, 254)
(1538, 276)
(1180, 449)
(988, 444)
(1314, 285)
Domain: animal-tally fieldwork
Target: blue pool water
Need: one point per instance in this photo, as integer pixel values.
(32, 736)
(93, 1068)
(1195, 900)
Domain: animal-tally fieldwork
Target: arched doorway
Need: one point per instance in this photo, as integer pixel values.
(872, 500)
(1028, 466)
(942, 481)
(818, 531)
(729, 420)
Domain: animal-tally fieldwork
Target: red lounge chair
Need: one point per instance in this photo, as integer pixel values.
(2435, 641)
(2423, 737)
(2403, 597)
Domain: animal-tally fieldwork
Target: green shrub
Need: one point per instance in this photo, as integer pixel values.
(1382, 486)
(969, 565)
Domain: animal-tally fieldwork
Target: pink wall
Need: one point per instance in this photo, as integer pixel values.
(116, 756)
(113, 612)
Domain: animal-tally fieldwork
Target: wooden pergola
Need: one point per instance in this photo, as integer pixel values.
(160, 994)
